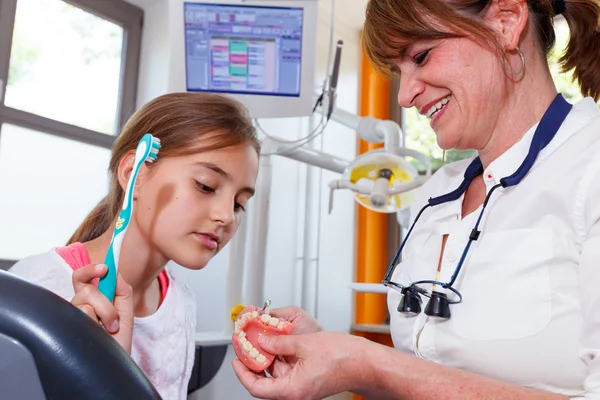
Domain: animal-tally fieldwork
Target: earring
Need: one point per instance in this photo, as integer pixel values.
(508, 71)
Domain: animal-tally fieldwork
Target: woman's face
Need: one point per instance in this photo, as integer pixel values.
(458, 84)
(189, 207)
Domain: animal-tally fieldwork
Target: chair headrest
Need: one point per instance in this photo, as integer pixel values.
(75, 358)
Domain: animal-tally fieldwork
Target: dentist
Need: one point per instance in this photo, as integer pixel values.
(496, 295)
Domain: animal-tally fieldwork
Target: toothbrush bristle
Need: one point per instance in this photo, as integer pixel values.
(154, 149)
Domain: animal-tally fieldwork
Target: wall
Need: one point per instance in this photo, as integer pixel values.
(155, 52)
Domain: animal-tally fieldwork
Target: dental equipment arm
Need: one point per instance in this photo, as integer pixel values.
(369, 129)
(254, 276)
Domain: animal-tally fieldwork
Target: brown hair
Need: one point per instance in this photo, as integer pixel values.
(392, 25)
(178, 120)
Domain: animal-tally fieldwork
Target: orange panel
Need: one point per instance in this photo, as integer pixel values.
(375, 93)
(372, 227)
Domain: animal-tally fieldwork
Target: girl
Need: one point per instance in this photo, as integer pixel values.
(188, 205)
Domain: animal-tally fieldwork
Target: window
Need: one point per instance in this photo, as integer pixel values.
(420, 136)
(37, 210)
(68, 81)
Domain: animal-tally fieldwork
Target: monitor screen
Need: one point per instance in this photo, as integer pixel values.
(243, 49)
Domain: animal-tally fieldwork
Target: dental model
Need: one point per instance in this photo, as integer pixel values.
(249, 326)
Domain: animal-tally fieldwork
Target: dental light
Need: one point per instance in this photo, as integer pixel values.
(382, 179)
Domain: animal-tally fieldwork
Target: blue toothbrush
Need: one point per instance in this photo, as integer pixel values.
(147, 150)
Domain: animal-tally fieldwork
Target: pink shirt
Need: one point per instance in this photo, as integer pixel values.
(76, 255)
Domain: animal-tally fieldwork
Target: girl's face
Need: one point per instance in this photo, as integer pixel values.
(189, 207)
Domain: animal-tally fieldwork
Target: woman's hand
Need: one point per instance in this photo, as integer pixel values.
(326, 363)
(302, 321)
(116, 317)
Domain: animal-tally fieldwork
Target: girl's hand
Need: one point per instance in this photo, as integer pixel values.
(116, 317)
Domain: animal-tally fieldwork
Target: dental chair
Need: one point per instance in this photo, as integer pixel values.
(50, 350)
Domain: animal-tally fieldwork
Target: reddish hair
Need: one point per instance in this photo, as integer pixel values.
(392, 25)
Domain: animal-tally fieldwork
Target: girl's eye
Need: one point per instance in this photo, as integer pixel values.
(204, 188)
(421, 57)
(207, 189)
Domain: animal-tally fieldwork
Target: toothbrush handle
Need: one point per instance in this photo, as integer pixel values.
(108, 283)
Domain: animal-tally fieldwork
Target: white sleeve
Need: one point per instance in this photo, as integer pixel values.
(47, 271)
(589, 278)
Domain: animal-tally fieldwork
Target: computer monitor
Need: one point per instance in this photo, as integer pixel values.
(261, 52)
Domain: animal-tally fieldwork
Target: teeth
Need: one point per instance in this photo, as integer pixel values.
(250, 350)
(243, 340)
(265, 318)
(438, 106)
